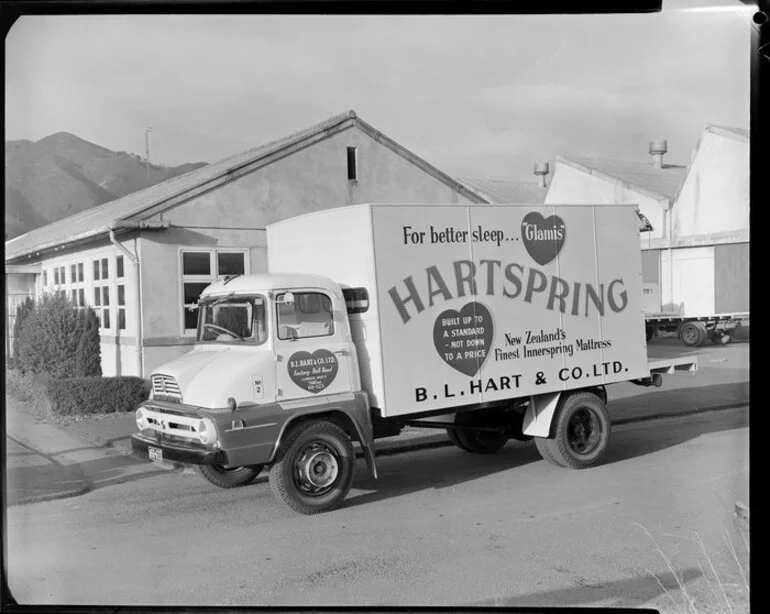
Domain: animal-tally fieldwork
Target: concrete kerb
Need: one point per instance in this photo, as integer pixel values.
(82, 487)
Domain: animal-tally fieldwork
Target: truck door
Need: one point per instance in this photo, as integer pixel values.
(312, 356)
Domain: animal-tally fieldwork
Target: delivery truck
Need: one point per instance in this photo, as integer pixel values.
(492, 322)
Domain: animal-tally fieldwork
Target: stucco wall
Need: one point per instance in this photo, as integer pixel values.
(715, 195)
(162, 272)
(313, 179)
(571, 185)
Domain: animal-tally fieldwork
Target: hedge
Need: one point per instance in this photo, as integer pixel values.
(58, 339)
(96, 395)
(29, 388)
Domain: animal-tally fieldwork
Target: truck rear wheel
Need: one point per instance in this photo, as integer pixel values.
(581, 432)
(229, 478)
(313, 470)
(452, 434)
(693, 334)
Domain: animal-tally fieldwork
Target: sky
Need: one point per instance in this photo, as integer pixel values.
(475, 95)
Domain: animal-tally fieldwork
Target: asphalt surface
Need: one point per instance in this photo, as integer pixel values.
(435, 512)
(440, 527)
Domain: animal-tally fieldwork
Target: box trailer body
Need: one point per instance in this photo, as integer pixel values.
(489, 321)
(469, 305)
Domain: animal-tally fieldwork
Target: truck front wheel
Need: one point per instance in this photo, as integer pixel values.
(581, 432)
(229, 478)
(314, 466)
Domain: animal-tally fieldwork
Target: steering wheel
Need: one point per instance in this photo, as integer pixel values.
(223, 330)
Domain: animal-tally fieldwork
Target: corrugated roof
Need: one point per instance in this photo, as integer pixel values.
(96, 221)
(504, 191)
(661, 182)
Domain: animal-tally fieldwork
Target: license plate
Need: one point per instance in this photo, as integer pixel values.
(156, 454)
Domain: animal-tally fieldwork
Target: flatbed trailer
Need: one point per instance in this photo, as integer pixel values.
(693, 331)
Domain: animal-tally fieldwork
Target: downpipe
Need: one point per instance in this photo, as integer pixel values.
(134, 258)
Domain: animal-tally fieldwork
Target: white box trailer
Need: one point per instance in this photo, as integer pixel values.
(472, 304)
(491, 322)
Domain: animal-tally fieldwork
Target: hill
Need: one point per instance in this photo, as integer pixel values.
(62, 174)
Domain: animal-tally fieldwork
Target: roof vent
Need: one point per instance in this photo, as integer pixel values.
(541, 171)
(657, 149)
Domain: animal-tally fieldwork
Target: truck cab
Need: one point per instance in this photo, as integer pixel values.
(271, 351)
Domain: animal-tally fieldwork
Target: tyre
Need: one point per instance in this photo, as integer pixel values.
(314, 466)
(693, 334)
(452, 434)
(581, 432)
(229, 478)
(482, 442)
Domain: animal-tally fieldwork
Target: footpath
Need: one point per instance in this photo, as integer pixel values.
(45, 461)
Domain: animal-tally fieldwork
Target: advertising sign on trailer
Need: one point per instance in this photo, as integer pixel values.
(487, 302)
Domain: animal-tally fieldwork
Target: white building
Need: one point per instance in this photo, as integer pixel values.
(695, 261)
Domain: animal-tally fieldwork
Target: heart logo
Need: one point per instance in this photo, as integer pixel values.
(543, 237)
(313, 372)
(463, 338)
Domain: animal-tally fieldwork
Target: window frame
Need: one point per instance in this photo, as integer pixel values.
(278, 303)
(209, 279)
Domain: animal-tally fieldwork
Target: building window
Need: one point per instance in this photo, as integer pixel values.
(56, 276)
(74, 296)
(81, 297)
(80, 272)
(96, 270)
(352, 164)
(230, 264)
(45, 279)
(201, 268)
(119, 266)
(196, 263)
(121, 307)
(97, 297)
(105, 271)
(73, 273)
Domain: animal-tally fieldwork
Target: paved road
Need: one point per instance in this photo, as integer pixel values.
(441, 527)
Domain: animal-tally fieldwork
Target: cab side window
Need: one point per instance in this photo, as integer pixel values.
(310, 315)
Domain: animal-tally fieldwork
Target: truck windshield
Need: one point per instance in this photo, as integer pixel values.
(233, 320)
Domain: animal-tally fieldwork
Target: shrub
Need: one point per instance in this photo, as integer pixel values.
(22, 312)
(59, 340)
(88, 356)
(96, 395)
(30, 389)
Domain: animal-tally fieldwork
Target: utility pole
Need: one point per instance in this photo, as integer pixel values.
(147, 148)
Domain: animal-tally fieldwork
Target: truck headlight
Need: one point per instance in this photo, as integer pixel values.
(207, 431)
(141, 423)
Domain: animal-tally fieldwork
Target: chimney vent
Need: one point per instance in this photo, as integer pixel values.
(541, 171)
(657, 149)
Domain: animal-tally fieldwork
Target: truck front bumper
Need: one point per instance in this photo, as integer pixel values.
(178, 452)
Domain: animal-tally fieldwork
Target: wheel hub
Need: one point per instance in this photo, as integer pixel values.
(583, 432)
(317, 469)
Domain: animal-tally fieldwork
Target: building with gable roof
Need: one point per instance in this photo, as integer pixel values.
(141, 261)
(695, 259)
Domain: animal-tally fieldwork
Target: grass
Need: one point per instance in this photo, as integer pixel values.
(720, 596)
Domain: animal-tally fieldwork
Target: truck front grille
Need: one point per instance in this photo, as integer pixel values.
(165, 387)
